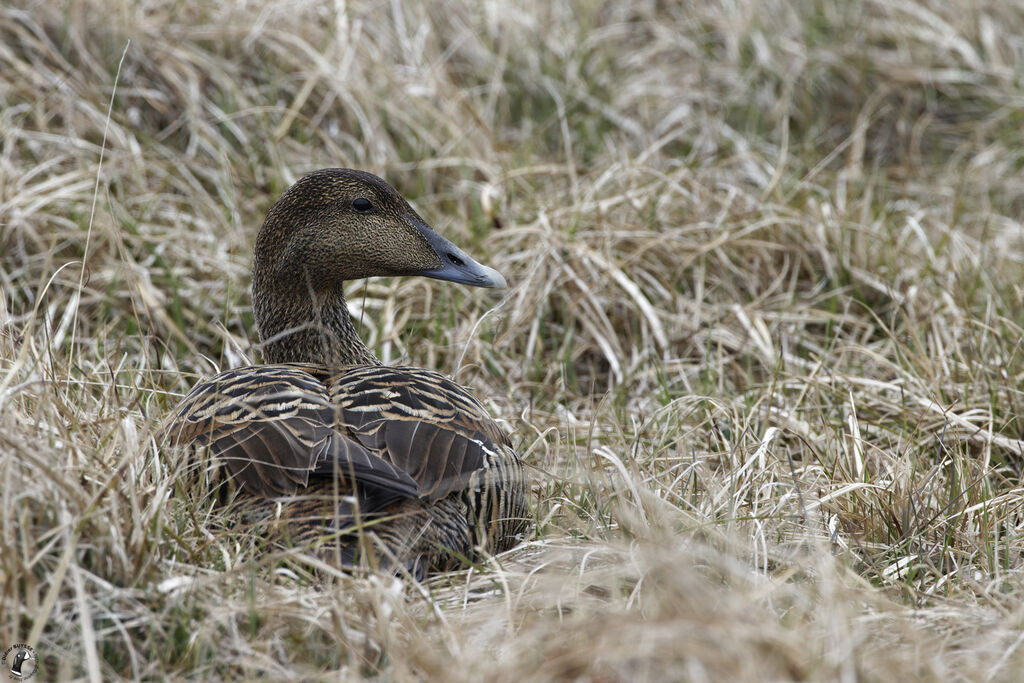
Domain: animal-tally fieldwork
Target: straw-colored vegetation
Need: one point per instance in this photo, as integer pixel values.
(762, 345)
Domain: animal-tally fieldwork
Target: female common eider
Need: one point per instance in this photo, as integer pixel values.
(362, 463)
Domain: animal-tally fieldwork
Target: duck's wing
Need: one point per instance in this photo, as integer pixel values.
(427, 426)
(274, 428)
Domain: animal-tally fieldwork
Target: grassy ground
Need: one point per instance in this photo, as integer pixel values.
(762, 345)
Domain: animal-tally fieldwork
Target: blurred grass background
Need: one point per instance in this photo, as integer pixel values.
(761, 346)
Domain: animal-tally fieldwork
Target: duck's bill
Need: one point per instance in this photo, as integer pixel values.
(456, 265)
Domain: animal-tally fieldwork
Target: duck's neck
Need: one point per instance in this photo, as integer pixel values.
(308, 329)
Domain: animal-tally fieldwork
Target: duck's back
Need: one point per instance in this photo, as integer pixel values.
(399, 460)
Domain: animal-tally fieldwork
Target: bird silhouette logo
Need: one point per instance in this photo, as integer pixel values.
(21, 662)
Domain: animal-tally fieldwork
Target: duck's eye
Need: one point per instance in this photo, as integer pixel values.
(362, 205)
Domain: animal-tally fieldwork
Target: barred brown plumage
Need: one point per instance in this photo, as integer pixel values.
(365, 464)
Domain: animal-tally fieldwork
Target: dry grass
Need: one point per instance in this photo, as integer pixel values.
(762, 346)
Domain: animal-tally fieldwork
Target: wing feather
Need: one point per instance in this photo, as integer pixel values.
(273, 428)
(386, 434)
(425, 424)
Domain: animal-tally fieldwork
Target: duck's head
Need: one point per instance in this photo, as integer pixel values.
(340, 224)
(334, 225)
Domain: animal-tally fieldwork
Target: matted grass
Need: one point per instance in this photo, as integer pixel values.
(761, 348)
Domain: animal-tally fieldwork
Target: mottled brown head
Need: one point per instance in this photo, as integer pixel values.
(334, 225)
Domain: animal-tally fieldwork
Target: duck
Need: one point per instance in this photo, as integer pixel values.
(362, 464)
